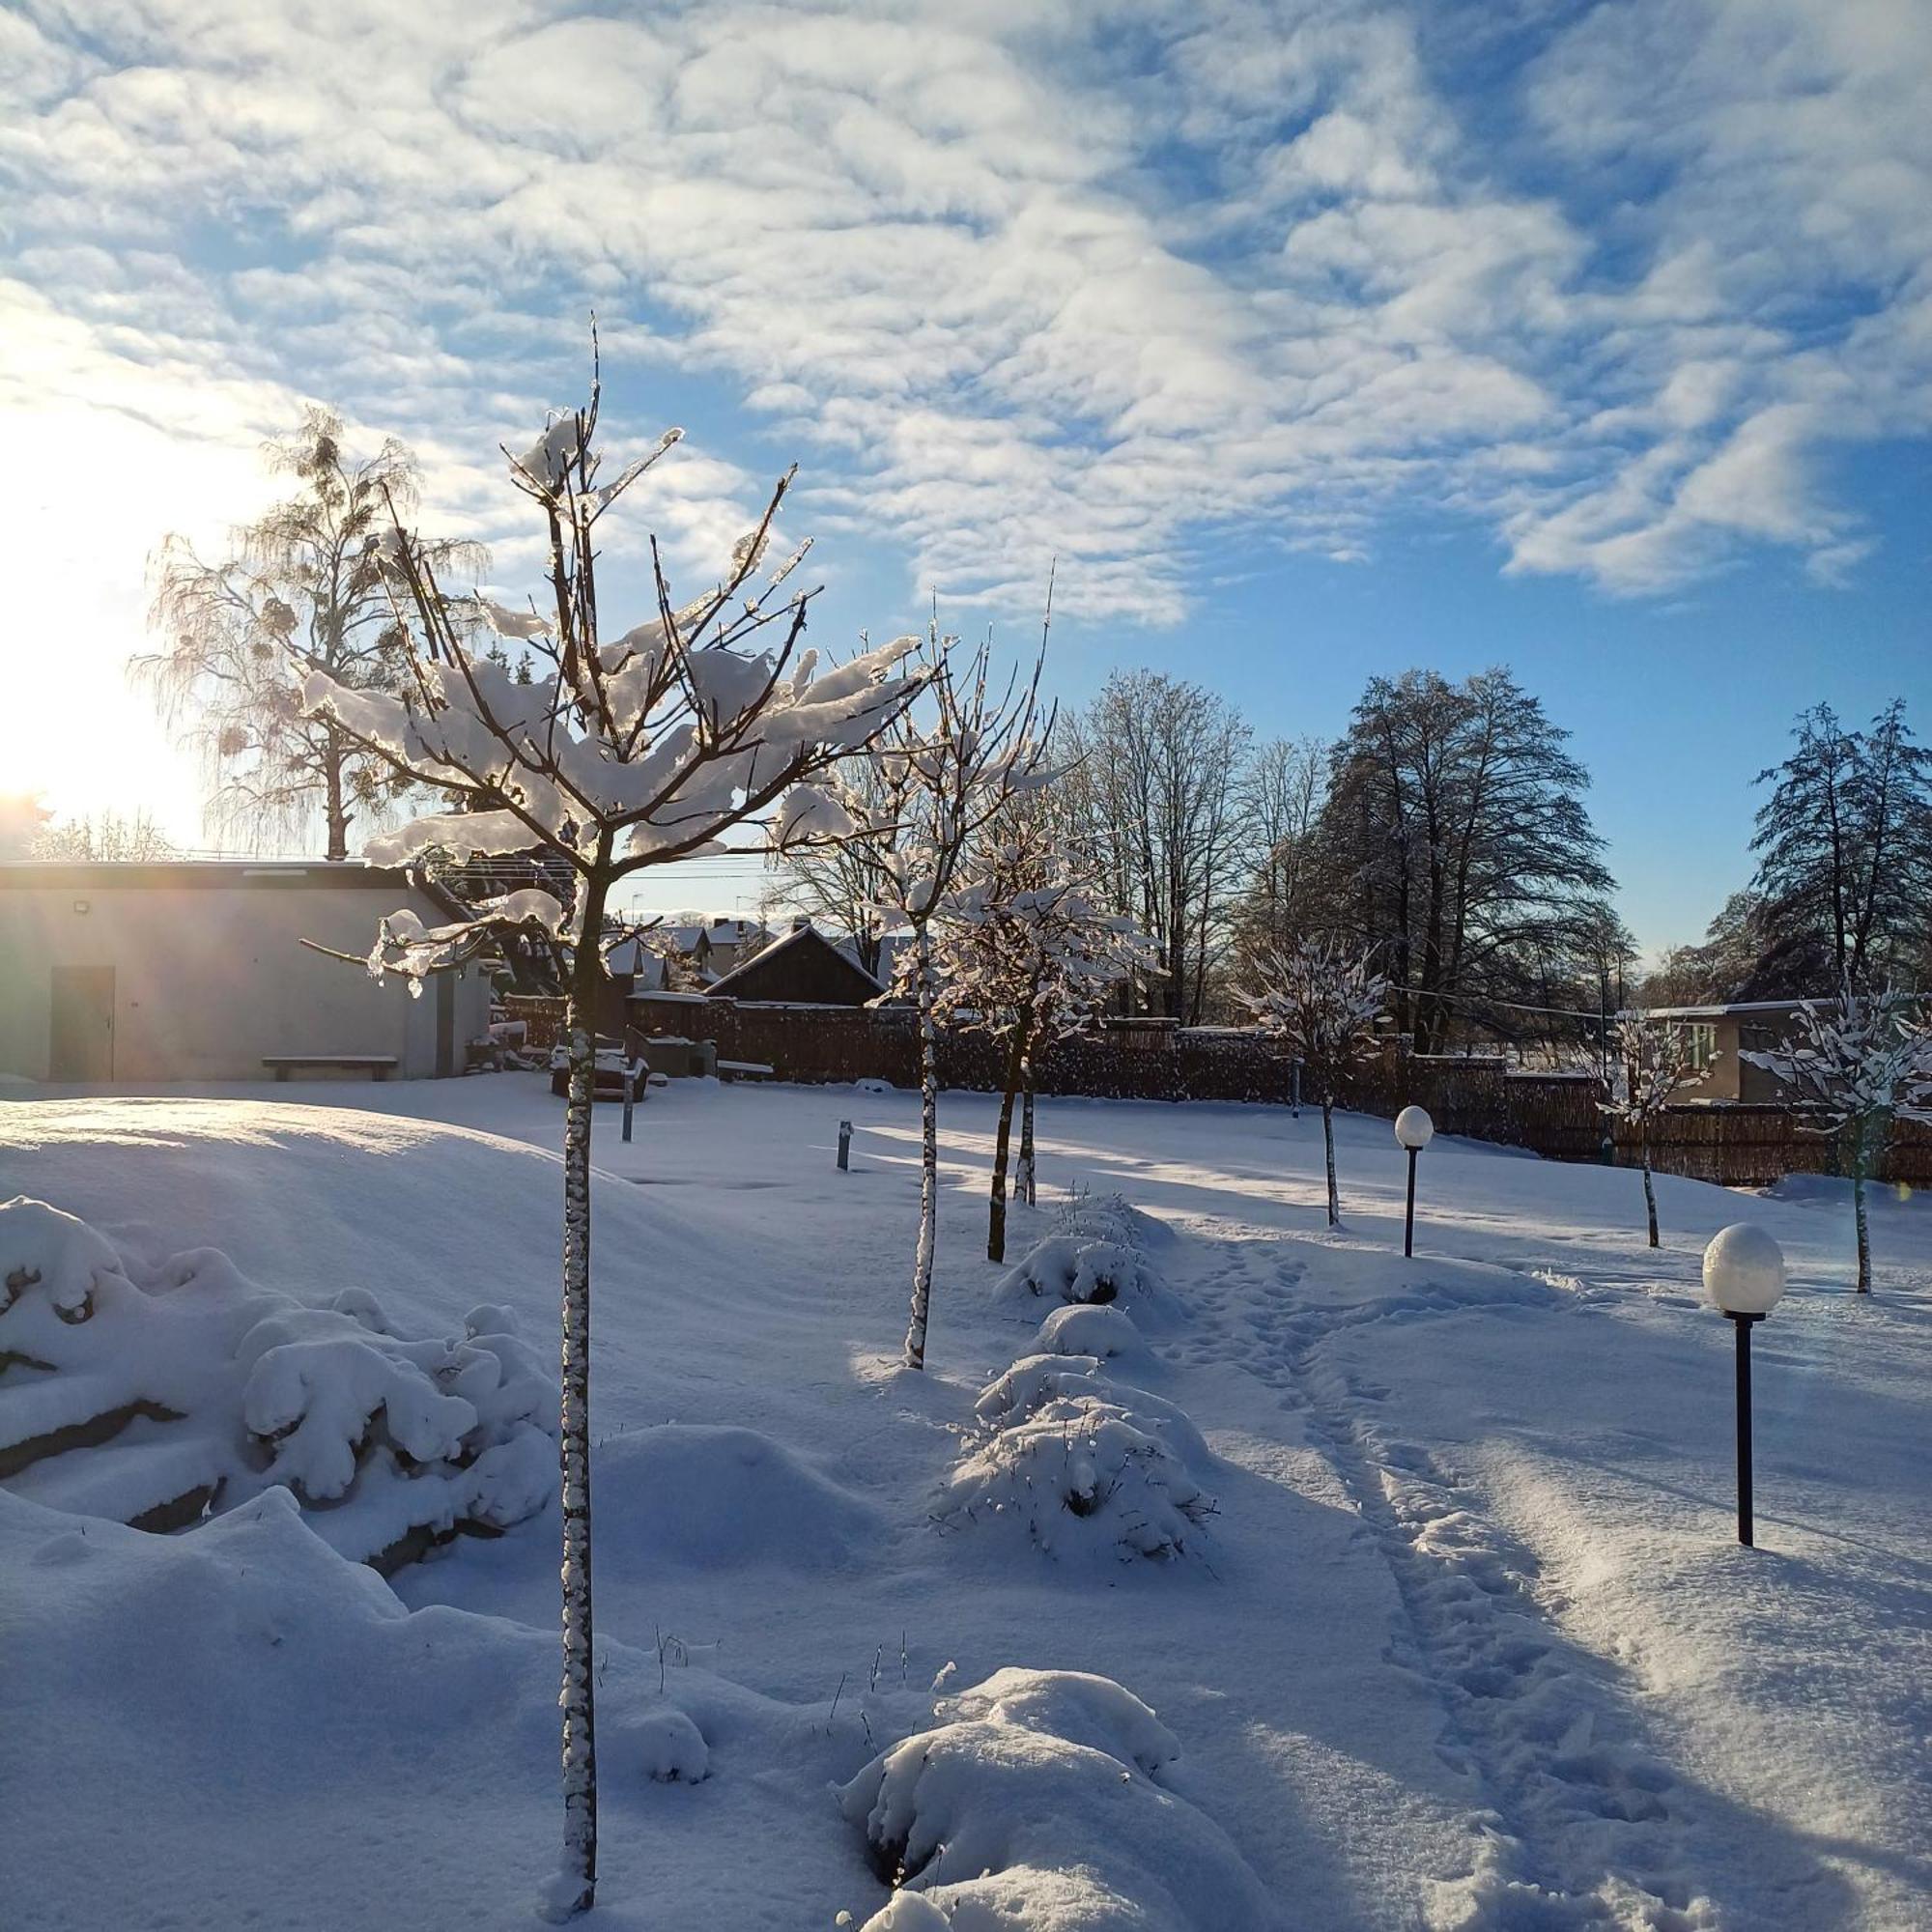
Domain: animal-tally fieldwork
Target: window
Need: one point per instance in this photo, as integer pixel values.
(1700, 1044)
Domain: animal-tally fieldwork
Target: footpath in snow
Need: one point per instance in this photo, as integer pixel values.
(1293, 1586)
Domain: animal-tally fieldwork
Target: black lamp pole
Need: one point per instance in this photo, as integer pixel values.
(1743, 1326)
(1408, 1219)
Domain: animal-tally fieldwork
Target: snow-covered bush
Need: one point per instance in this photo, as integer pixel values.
(1088, 1465)
(211, 1389)
(1099, 1257)
(1031, 1801)
(665, 1746)
(1090, 1329)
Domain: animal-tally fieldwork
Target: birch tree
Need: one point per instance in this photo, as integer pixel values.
(1856, 1064)
(1653, 1065)
(611, 758)
(1321, 1004)
(300, 590)
(1027, 954)
(943, 776)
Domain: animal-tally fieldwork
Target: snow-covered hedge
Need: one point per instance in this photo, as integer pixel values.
(1034, 1800)
(158, 1394)
(1099, 1257)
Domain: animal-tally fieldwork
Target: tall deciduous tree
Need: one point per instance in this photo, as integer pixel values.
(1856, 1064)
(1457, 846)
(299, 591)
(1651, 1063)
(1156, 789)
(1281, 789)
(614, 757)
(1321, 1004)
(1844, 846)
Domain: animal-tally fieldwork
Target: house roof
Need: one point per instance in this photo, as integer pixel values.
(803, 937)
(224, 875)
(1736, 1007)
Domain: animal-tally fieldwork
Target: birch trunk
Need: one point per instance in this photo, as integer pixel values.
(1865, 1231)
(578, 1877)
(1329, 1151)
(928, 1175)
(1023, 1180)
(996, 1219)
(1649, 1195)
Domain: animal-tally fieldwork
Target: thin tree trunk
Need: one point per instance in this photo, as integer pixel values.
(1865, 1232)
(1649, 1195)
(578, 1699)
(576, 1879)
(1328, 1150)
(996, 1220)
(338, 813)
(1024, 1181)
(929, 1175)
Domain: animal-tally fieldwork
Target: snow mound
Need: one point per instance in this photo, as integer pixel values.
(1090, 1329)
(1028, 1807)
(716, 1496)
(157, 1394)
(1098, 1259)
(1089, 1465)
(665, 1746)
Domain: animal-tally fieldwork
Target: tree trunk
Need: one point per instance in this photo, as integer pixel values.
(1023, 1184)
(996, 1220)
(929, 1173)
(332, 759)
(579, 1751)
(1865, 1232)
(576, 1888)
(1328, 1150)
(1649, 1195)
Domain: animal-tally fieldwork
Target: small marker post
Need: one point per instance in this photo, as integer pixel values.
(844, 1145)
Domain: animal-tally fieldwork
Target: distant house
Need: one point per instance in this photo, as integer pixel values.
(1719, 1035)
(804, 968)
(686, 954)
(175, 969)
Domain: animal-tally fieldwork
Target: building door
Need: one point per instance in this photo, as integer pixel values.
(82, 1042)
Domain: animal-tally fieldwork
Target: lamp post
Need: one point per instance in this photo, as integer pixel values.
(1743, 1275)
(1414, 1130)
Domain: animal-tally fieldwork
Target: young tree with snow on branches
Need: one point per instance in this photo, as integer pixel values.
(1856, 1064)
(941, 779)
(1654, 1066)
(1321, 1004)
(1027, 952)
(613, 757)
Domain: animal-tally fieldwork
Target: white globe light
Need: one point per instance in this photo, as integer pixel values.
(1413, 1129)
(1744, 1270)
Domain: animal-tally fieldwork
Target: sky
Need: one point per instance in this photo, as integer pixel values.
(1306, 342)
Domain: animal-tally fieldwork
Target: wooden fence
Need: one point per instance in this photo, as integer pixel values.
(1556, 1115)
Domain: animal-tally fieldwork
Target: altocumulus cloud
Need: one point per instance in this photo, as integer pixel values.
(1062, 276)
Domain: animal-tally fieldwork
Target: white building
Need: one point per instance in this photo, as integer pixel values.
(175, 970)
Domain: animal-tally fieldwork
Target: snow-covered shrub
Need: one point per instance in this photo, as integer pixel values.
(1099, 1257)
(1086, 1464)
(211, 1389)
(666, 1746)
(1090, 1329)
(1029, 1803)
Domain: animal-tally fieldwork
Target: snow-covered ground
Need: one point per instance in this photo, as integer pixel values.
(1465, 1640)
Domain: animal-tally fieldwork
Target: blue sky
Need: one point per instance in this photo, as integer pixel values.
(1315, 341)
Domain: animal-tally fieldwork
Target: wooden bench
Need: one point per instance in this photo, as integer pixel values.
(743, 1069)
(378, 1065)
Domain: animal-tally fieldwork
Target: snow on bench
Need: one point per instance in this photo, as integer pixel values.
(743, 1069)
(378, 1065)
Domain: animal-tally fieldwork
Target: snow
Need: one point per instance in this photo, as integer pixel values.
(1474, 1645)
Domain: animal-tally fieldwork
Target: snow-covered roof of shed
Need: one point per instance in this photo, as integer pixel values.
(60, 875)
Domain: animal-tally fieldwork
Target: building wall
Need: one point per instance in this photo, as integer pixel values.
(210, 978)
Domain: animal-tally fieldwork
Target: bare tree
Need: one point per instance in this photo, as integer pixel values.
(1651, 1063)
(613, 757)
(940, 782)
(1281, 787)
(1155, 788)
(108, 836)
(846, 885)
(1322, 1004)
(1856, 1064)
(301, 592)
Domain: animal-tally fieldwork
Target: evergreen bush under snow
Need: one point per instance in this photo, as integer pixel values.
(158, 1394)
